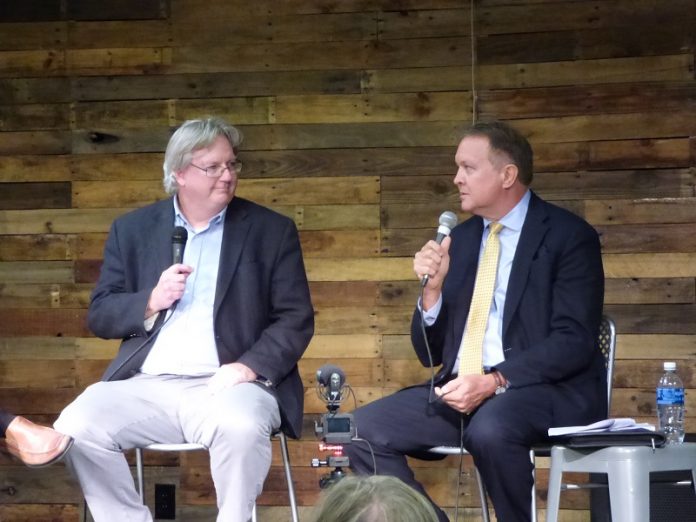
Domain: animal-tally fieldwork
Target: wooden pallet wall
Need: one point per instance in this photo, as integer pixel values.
(351, 111)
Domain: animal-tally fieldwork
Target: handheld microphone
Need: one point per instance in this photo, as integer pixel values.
(179, 237)
(448, 220)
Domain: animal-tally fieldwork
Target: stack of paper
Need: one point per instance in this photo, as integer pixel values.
(602, 426)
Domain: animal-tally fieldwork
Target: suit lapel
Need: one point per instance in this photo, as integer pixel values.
(236, 230)
(160, 238)
(533, 232)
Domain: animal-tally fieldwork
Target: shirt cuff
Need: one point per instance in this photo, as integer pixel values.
(430, 316)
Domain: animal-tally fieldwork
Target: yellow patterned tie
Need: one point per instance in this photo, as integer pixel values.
(472, 351)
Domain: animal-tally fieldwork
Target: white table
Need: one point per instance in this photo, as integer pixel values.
(628, 471)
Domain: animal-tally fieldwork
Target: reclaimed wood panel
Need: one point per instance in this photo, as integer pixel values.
(351, 112)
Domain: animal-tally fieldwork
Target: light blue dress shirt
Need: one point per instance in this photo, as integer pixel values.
(509, 237)
(186, 343)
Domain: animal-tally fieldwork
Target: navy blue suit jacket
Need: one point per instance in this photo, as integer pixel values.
(552, 311)
(263, 315)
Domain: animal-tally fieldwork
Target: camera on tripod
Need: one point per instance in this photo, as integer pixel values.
(333, 428)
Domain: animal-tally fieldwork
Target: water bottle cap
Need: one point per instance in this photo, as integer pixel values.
(669, 366)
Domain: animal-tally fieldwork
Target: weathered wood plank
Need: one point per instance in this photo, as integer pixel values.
(346, 320)
(30, 11)
(39, 401)
(87, 194)
(582, 44)
(34, 90)
(118, 33)
(440, 191)
(647, 238)
(342, 346)
(218, 85)
(34, 117)
(36, 272)
(100, 62)
(26, 169)
(183, 7)
(588, 99)
(32, 35)
(39, 512)
(242, 27)
(58, 221)
(539, 17)
(340, 243)
(608, 126)
(46, 247)
(647, 210)
(121, 10)
(645, 374)
(650, 265)
(31, 62)
(417, 52)
(649, 291)
(656, 346)
(23, 374)
(574, 72)
(35, 142)
(55, 321)
(49, 295)
(21, 484)
(652, 319)
(422, 106)
(15, 196)
(359, 269)
(274, 137)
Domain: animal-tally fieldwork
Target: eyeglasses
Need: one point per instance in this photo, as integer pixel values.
(215, 171)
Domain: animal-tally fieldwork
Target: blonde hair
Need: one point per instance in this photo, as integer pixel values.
(374, 498)
(191, 136)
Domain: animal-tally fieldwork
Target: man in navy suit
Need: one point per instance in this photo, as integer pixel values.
(541, 365)
(209, 345)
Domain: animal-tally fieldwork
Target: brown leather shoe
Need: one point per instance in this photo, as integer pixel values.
(35, 445)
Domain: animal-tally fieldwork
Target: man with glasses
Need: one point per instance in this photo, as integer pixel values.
(209, 345)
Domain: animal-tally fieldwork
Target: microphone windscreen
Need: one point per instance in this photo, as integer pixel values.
(179, 236)
(325, 372)
(448, 219)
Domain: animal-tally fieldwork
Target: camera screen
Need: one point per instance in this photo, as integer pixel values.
(338, 424)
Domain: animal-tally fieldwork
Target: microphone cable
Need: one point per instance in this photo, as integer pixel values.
(460, 466)
(169, 312)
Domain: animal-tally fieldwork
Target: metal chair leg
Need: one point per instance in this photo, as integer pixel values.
(288, 476)
(140, 473)
(532, 457)
(482, 496)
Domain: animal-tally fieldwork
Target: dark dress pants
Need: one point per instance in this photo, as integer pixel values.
(498, 435)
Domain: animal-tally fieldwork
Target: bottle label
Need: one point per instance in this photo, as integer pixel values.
(670, 396)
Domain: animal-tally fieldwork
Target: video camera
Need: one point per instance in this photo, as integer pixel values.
(333, 428)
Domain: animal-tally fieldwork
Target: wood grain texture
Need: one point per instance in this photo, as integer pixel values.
(350, 112)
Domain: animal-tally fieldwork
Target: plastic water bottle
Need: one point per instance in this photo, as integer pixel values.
(670, 404)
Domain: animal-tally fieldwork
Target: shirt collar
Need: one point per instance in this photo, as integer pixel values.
(514, 219)
(180, 219)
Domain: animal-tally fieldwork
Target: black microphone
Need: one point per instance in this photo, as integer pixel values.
(179, 237)
(448, 220)
(333, 378)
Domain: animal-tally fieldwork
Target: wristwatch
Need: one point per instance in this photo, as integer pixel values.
(499, 386)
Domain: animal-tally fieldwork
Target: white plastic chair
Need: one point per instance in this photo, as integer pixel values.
(189, 446)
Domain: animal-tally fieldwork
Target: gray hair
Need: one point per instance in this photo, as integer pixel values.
(191, 136)
(373, 498)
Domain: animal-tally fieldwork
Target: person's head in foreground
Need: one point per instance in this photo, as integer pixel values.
(373, 498)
